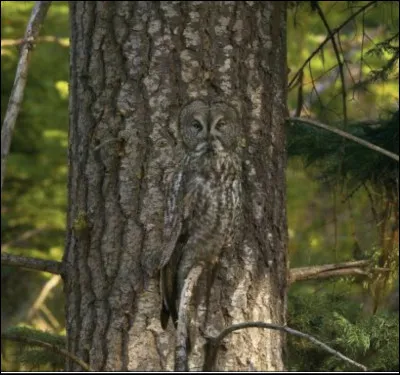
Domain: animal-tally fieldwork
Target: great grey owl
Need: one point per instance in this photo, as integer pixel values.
(204, 197)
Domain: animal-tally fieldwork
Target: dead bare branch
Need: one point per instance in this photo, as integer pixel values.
(326, 40)
(331, 270)
(339, 60)
(37, 264)
(213, 343)
(181, 350)
(52, 347)
(39, 12)
(345, 135)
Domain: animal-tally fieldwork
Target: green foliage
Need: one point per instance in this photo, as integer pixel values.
(37, 164)
(340, 160)
(33, 357)
(34, 193)
(338, 320)
(368, 46)
(31, 333)
(388, 48)
(322, 229)
(344, 173)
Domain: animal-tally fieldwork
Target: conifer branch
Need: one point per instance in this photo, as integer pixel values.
(54, 348)
(344, 134)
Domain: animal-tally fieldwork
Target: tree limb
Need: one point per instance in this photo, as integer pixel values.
(54, 348)
(64, 42)
(181, 350)
(329, 270)
(213, 343)
(345, 135)
(39, 12)
(339, 60)
(44, 265)
(334, 32)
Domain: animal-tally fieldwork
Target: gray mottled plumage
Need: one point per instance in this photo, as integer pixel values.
(204, 197)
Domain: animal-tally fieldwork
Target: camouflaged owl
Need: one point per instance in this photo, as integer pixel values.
(204, 197)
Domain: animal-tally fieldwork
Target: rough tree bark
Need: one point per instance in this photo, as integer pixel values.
(133, 65)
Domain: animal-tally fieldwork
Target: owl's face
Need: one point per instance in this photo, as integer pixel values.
(209, 127)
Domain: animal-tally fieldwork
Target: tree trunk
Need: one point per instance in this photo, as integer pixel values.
(133, 65)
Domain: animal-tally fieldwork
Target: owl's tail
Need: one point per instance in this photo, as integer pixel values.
(168, 307)
(164, 316)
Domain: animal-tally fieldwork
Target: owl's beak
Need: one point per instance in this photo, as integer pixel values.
(210, 148)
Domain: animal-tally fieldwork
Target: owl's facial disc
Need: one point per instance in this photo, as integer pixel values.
(196, 124)
(208, 127)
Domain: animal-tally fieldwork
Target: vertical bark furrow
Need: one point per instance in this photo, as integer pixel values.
(79, 272)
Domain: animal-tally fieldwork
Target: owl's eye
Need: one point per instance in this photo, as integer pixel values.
(197, 126)
(220, 124)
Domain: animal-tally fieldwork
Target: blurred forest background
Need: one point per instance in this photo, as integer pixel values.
(342, 198)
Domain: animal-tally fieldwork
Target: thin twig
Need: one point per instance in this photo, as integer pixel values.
(47, 288)
(64, 42)
(37, 264)
(362, 47)
(39, 12)
(345, 135)
(299, 106)
(314, 88)
(23, 237)
(339, 60)
(181, 352)
(334, 31)
(214, 342)
(372, 203)
(50, 317)
(52, 347)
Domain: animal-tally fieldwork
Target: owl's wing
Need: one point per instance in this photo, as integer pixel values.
(174, 238)
(173, 217)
